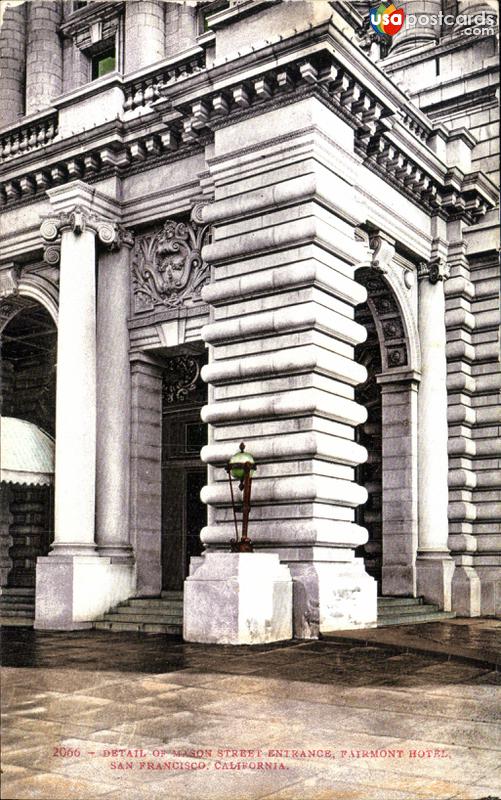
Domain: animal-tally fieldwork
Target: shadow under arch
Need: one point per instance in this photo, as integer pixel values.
(391, 355)
(29, 345)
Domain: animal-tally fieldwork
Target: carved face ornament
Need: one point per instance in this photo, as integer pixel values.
(167, 266)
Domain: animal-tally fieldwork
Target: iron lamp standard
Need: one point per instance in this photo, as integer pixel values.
(241, 466)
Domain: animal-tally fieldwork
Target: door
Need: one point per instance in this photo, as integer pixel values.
(183, 475)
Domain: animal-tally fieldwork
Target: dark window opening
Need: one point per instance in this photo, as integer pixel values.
(78, 4)
(211, 9)
(103, 63)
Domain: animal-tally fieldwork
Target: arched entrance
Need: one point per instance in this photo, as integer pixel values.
(28, 358)
(390, 354)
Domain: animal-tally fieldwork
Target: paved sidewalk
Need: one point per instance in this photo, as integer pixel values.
(91, 715)
(474, 640)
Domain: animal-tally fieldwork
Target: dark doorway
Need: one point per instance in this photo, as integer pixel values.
(183, 473)
(28, 383)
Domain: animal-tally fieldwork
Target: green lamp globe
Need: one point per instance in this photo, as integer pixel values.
(237, 463)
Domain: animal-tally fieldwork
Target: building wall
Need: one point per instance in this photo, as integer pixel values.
(348, 154)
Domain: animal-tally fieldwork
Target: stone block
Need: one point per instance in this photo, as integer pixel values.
(63, 599)
(434, 579)
(238, 598)
(466, 591)
(332, 596)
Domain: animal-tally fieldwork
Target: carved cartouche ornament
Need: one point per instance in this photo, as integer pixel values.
(167, 266)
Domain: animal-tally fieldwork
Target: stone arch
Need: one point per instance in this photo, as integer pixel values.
(30, 289)
(388, 301)
(391, 431)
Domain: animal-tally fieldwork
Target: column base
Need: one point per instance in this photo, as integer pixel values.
(119, 554)
(72, 591)
(466, 591)
(332, 596)
(434, 573)
(399, 580)
(238, 598)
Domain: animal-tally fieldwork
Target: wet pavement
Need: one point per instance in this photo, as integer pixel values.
(93, 714)
(475, 640)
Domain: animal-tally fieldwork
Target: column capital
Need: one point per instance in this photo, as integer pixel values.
(435, 270)
(79, 220)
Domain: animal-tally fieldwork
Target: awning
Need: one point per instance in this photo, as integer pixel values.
(27, 453)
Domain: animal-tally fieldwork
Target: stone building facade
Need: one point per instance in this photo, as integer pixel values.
(263, 221)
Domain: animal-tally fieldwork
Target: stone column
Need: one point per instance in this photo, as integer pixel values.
(473, 8)
(113, 400)
(74, 585)
(435, 566)
(180, 28)
(282, 371)
(76, 385)
(425, 31)
(12, 63)
(44, 54)
(399, 393)
(146, 472)
(144, 33)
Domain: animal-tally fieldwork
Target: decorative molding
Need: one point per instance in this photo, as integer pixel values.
(95, 23)
(9, 281)
(390, 325)
(52, 255)
(196, 212)
(435, 270)
(381, 132)
(383, 250)
(180, 378)
(79, 220)
(167, 267)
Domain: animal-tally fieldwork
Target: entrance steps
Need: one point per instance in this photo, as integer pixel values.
(163, 614)
(17, 606)
(408, 611)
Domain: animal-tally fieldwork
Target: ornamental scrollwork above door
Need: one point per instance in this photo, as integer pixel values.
(167, 267)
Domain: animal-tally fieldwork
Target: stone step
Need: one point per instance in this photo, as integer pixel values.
(408, 610)
(9, 591)
(19, 621)
(413, 619)
(17, 609)
(384, 602)
(143, 603)
(9, 602)
(171, 595)
(162, 619)
(139, 627)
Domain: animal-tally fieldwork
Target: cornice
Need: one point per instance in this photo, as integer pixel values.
(391, 136)
(94, 12)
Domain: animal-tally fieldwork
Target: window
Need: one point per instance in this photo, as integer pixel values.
(206, 12)
(78, 4)
(103, 63)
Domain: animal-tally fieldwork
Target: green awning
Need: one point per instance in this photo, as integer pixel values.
(27, 453)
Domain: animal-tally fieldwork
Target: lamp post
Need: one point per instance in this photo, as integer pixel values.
(241, 466)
